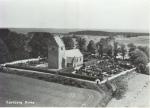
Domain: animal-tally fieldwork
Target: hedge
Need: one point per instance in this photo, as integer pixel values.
(54, 72)
(78, 76)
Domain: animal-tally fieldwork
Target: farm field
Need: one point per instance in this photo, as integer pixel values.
(139, 41)
(41, 93)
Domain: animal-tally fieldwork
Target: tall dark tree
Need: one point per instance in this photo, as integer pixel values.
(4, 54)
(104, 46)
(100, 46)
(4, 34)
(39, 44)
(91, 47)
(68, 41)
(116, 50)
(15, 43)
(81, 44)
(123, 50)
(109, 49)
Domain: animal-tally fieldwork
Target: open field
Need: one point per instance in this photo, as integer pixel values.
(139, 40)
(137, 94)
(41, 93)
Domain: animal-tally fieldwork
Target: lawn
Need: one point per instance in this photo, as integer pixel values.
(42, 93)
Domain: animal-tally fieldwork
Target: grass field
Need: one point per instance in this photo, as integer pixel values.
(41, 93)
(140, 40)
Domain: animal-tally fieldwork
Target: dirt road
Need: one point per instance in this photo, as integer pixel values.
(21, 91)
(138, 93)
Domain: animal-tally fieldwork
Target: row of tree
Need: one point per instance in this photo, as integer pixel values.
(17, 46)
(103, 46)
(12, 46)
(138, 55)
(105, 33)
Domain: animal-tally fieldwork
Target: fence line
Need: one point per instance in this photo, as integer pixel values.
(115, 76)
(22, 61)
(83, 80)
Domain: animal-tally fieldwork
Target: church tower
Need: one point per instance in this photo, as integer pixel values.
(56, 53)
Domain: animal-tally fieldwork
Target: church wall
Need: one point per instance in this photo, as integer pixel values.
(53, 58)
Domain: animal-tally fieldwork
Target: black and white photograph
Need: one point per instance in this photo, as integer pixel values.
(74, 53)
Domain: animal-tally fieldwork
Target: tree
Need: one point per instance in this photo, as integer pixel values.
(39, 44)
(108, 50)
(4, 34)
(81, 44)
(131, 46)
(116, 50)
(138, 56)
(139, 59)
(69, 43)
(100, 46)
(15, 43)
(123, 50)
(104, 46)
(91, 47)
(145, 49)
(4, 54)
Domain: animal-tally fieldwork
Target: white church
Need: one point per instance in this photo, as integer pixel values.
(59, 57)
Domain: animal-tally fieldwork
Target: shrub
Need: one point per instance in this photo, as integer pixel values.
(147, 70)
(145, 49)
(131, 46)
(121, 88)
(139, 59)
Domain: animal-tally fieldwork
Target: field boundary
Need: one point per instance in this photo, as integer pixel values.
(22, 61)
(118, 75)
(96, 81)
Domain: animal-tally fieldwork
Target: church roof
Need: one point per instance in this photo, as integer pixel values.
(73, 53)
(59, 41)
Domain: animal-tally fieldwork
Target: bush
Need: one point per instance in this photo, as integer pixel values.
(53, 72)
(139, 59)
(78, 76)
(67, 70)
(147, 71)
(121, 88)
(145, 49)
